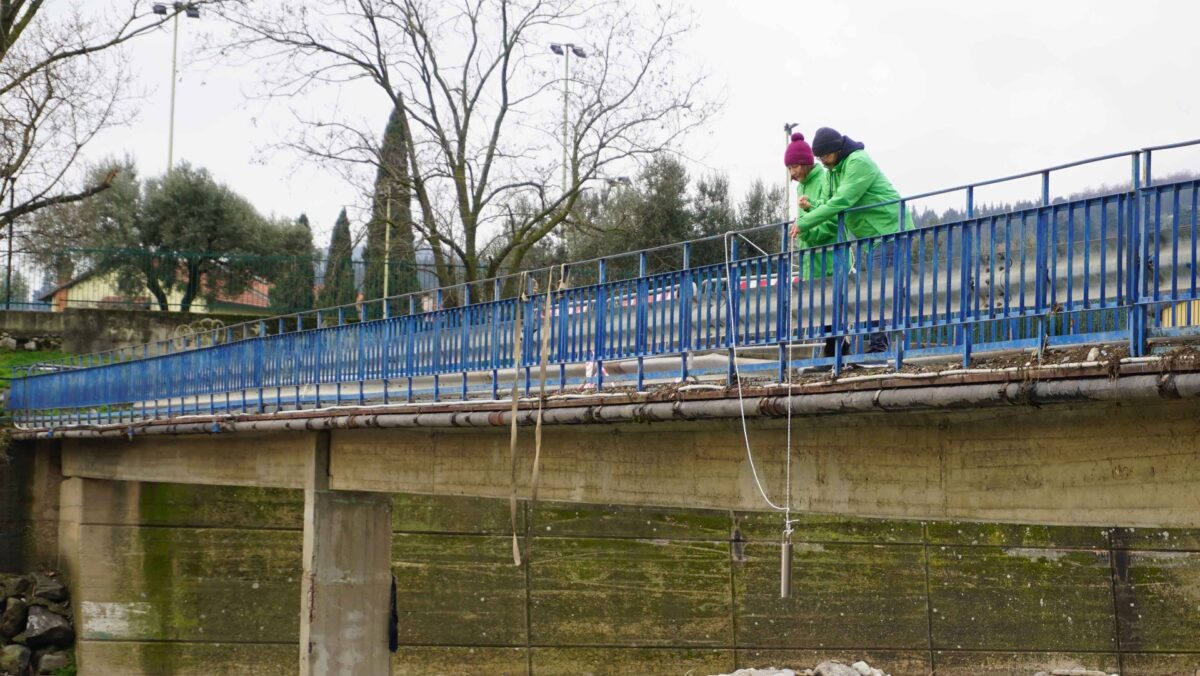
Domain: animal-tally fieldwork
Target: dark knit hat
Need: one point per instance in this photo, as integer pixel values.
(828, 140)
(798, 151)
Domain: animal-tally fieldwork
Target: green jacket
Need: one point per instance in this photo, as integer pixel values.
(855, 181)
(816, 187)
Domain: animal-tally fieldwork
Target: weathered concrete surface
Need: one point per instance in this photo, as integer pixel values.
(346, 580)
(262, 460)
(1078, 464)
(170, 574)
(29, 504)
(1094, 464)
(181, 579)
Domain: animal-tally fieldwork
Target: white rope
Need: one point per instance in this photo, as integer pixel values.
(729, 307)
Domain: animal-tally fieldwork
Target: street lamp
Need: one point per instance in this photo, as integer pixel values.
(565, 50)
(192, 12)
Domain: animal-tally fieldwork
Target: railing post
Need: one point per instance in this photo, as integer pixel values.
(901, 257)
(640, 322)
(1042, 263)
(783, 301)
(1137, 265)
(564, 326)
(731, 325)
(685, 311)
(600, 311)
(841, 289)
(964, 295)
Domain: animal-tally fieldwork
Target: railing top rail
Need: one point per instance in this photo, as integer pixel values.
(415, 296)
(1003, 179)
(1167, 146)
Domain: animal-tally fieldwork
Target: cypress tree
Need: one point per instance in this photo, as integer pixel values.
(338, 287)
(293, 289)
(392, 201)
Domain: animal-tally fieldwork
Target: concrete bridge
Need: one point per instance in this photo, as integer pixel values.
(1018, 491)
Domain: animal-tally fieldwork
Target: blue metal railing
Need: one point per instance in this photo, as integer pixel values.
(1106, 268)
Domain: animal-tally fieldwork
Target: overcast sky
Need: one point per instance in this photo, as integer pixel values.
(942, 93)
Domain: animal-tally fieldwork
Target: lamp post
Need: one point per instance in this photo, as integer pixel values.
(192, 12)
(565, 50)
(12, 204)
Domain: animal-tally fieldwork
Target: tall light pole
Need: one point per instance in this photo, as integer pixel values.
(565, 50)
(192, 12)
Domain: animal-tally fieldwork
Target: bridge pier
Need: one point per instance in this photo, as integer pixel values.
(346, 583)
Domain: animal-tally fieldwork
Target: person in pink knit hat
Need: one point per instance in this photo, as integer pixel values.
(812, 188)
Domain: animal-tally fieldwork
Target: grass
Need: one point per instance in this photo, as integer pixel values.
(9, 360)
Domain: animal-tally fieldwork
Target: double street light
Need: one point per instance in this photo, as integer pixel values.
(565, 50)
(192, 12)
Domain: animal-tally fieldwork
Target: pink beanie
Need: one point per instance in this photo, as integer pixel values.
(798, 151)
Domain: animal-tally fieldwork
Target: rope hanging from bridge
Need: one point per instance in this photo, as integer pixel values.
(543, 362)
(785, 575)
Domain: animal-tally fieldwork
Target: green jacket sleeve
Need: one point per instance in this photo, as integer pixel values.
(854, 184)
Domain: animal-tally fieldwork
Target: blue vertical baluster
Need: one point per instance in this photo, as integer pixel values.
(602, 295)
(731, 327)
(1136, 268)
(640, 322)
(685, 312)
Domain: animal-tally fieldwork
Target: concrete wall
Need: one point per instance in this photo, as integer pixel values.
(30, 475)
(1079, 464)
(189, 579)
(86, 330)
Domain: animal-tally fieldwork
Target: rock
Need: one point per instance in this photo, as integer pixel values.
(14, 585)
(1093, 354)
(14, 659)
(47, 663)
(769, 671)
(31, 346)
(12, 620)
(832, 668)
(49, 587)
(56, 608)
(8, 343)
(862, 668)
(47, 628)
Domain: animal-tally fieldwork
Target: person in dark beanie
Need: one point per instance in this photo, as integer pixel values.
(854, 181)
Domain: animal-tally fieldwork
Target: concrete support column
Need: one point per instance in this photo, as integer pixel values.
(345, 589)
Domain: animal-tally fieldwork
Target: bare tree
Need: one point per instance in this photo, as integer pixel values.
(63, 80)
(479, 97)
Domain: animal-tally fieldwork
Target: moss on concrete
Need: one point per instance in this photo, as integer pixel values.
(999, 663)
(993, 598)
(630, 592)
(768, 526)
(1014, 535)
(460, 661)
(843, 595)
(448, 514)
(458, 590)
(570, 520)
(164, 504)
(623, 661)
(1158, 601)
(187, 659)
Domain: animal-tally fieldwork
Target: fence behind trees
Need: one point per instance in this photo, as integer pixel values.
(52, 280)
